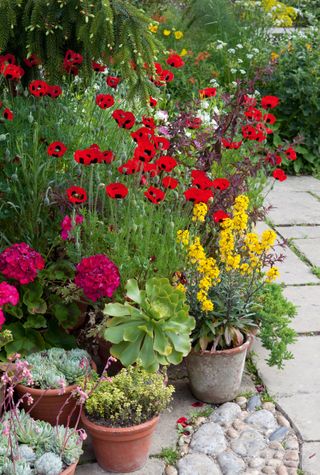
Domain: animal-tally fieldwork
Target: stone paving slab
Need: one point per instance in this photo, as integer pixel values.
(152, 467)
(310, 248)
(311, 458)
(301, 183)
(307, 300)
(291, 207)
(293, 271)
(303, 410)
(299, 232)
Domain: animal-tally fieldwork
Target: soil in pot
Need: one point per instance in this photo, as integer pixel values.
(123, 449)
(215, 377)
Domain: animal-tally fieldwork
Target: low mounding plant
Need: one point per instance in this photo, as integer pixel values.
(130, 398)
(57, 368)
(153, 326)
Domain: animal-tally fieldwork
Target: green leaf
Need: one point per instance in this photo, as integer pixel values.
(133, 291)
(161, 343)
(35, 321)
(25, 341)
(116, 310)
(38, 306)
(147, 354)
(115, 334)
(180, 342)
(56, 336)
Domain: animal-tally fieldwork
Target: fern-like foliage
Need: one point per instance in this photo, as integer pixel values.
(114, 31)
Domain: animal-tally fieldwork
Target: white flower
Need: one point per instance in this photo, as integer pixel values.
(249, 56)
(239, 45)
(233, 70)
(161, 115)
(231, 50)
(187, 133)
(205, 104)
(242, 71)
(255, 50)
(240, 60)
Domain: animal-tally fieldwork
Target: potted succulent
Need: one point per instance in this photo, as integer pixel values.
(152, 326)
(54, 374)
(121, 414)
(224, 280)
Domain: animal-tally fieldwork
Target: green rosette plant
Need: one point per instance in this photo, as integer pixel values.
(152, 326)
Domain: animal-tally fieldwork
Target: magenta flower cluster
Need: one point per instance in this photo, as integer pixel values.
(8, 294)
(67, 225)
(21, 262)
(97, 276)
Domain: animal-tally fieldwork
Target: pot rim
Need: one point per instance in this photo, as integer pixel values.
(118, 430)
(70, 467)
(227, 352)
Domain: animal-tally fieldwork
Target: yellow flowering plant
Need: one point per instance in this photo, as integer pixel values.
(228, 267)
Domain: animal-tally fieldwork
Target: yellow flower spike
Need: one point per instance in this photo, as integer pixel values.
(199, 212)
(183, 237)
(183, 52)
(166, 32)
(178, 35)
(272, 274)
(181, 287)
(153, 28)
(274, 56)
(207, 305)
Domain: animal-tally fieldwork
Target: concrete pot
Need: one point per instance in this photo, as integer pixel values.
(216, 377)
(123, 449)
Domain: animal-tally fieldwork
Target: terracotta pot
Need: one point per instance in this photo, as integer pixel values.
(70, 470)
(216, 377)
(47, 403)
(121, 450)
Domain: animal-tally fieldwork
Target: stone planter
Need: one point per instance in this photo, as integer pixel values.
(216, 377)
(123, 449)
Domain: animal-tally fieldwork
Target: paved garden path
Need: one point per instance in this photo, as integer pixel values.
(296, 216)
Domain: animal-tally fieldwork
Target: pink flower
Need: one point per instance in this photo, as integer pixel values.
(2, 318)
(97, 276)
(8, 294)
(21, 262)
(67, 225)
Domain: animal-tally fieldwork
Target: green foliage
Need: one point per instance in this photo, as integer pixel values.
(5, 338)
(132, 397)
(153, 326)
(203, 412)
(48, 464)
(169, 455)
(50, 369)
(275, 317)
(316, 271)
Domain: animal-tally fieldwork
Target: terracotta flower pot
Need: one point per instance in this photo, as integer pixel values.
(216, 377)
(121, 450)
(70, 470)
(47, 403)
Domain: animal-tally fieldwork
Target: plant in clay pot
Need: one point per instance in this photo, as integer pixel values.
(121, 414)
(153, 326)
(54, 374)
(225, 278)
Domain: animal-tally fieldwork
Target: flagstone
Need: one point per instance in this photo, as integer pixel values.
(307, 300)
(292, 207)
(299, 232)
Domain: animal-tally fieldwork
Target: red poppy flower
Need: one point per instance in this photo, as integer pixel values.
(7, 58)
(273, 159)
(263, 130)
(279, 174)
(104, 101)
(56, 149)
(144, 134)
(253, 113)
(269, 102)
(175, 61)
(125, 120)
(249, 101)
(161, 143)
(11, 71)
(130, 167)
(88, 156)
(183, 421)
(71, 60)
(155, 195)
(198, 196)
(116, 190)
(169, 182)
(32, 60)
(107, 156)
(269, 119)
(249, 132)
(194, 123)
(148, 122)
(228, 144)
(291, 154)
(7, 114)
(145, 151)
(54, 91)
(201, 180)
(38, 88)
(207, 92)
(150, 168)
(76, 194)
(221, 184)
(166, 75)
(158, 68)
(197, 404)
(97, 67)
(152, 101)
(219, 216)
(113, 81)
(166, 163)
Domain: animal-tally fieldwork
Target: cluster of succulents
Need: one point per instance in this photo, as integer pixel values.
(55, 368)
(36, 448)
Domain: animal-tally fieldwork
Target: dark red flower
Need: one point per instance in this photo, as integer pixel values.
(125, 120)
(228, 144)
(152, 101)
(197, 404)
(76, 194)
(144, 134)
(107, 156)
(253, 113)
(54, 91)
(273, 159)
(201, 180)
(145, 151)
(148, 122)
(269, 119)
(7, 114)
(169, 182)
(56, 149)
(249, 101)
(155, 195)
(279, 174)
(194, 123)
(97, 67)
(166, 75)
(207, 92)
(198, 196)
(291, 154)
(183, 421)
(269, 102)
(88, 156)
(130, 167)
(175, 61)
(249, 132)
(116, 190)
(166, 163)
(113, 81)
(32, 60)
(161, 143)
(7, 58)
(219, 216)
(38, 88)
(71, 62)
(221, 184)
(11, 71)
(104, 101)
